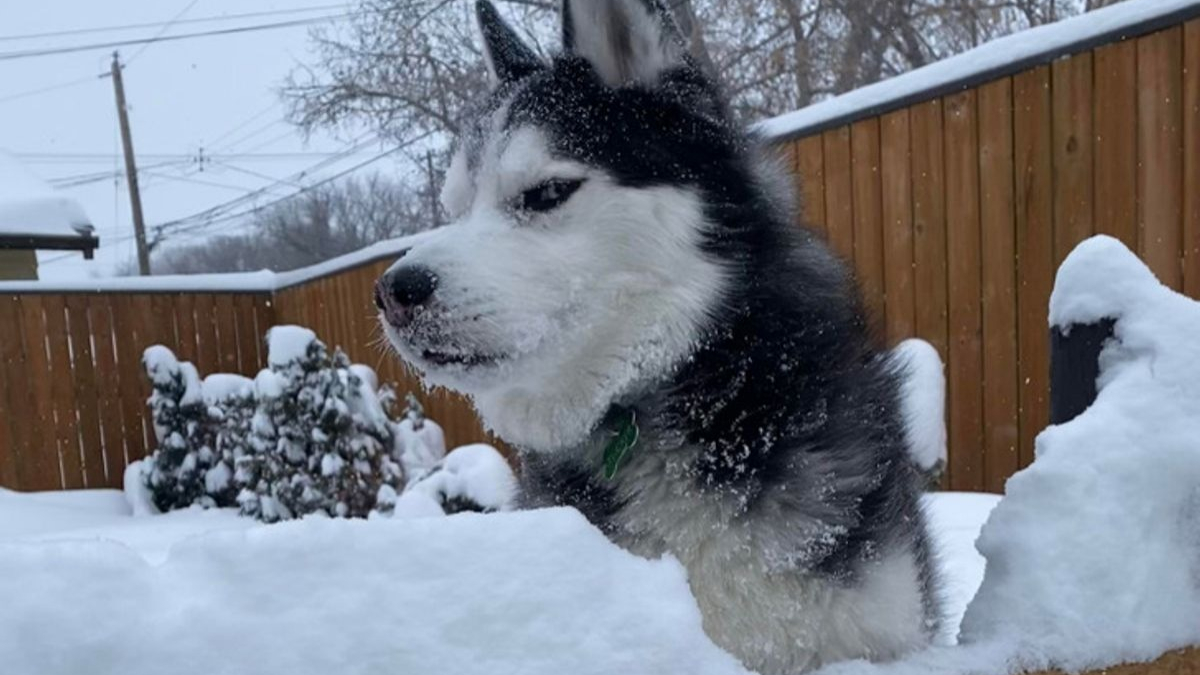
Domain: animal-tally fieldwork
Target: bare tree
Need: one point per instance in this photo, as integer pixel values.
(407, 67)
(308, 228)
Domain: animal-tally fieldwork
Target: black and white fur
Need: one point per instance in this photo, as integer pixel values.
(665, 277)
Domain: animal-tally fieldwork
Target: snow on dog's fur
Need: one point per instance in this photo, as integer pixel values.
(621, 251)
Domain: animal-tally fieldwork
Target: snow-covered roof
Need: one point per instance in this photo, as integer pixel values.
(263, 281)
(1004, 56)
(30, 207)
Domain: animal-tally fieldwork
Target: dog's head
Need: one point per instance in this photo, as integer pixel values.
(577, 268)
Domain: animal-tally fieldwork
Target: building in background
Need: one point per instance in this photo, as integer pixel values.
(33, 216)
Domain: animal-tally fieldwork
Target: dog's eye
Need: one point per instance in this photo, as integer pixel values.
(548, 195)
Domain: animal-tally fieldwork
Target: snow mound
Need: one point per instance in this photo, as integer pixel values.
(288, 344)
(923, 401)
(1093, 554)
(477, 473)
(468, 595)
(220, 387)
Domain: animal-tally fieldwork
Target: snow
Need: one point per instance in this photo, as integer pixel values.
(477, 472)
(420, 449)
(923, 402)
(29, 206)
(219, 387)
(288, 344)
(1093, 555)
(1113, 499)
(503, 592)
(955, 519)
(1040, 42)
(284, 598)
(137, 494)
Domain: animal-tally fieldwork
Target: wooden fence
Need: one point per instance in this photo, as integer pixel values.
(73, 394)
(957, 208)
(955, 205)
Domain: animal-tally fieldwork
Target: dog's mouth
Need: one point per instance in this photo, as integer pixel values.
(464, 360)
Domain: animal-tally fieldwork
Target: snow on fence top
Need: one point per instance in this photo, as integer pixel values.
(263, 281)
(1003, 56)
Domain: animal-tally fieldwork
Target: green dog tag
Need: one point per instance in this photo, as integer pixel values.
(620, 445)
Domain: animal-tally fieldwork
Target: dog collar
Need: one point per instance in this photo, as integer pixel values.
(624, 438)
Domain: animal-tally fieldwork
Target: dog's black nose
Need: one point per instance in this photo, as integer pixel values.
(409, 286)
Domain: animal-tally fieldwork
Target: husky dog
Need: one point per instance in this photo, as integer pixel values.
(626, 300)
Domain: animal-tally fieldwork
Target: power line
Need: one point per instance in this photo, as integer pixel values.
(156, 24)
(76, 180)
(242, 125)
(53, 87)
(164, 29)
(29, 53)
(324, 181)
(92, 158)
(181, 229)
(198, 181)
(219, 209)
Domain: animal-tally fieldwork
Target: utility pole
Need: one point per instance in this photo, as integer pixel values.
(135, 196)
(434, 212)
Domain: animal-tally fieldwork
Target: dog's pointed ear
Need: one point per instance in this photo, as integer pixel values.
(508, 58)
(626, 41)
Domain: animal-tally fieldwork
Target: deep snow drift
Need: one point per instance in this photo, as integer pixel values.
(1093, 555)
(532, 592)
(90, 588)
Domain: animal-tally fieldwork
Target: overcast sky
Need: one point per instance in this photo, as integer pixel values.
(219, 93)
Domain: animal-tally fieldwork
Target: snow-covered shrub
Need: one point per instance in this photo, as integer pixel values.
(471, 478)
(320, 440)
(184, 455)
(230, 402)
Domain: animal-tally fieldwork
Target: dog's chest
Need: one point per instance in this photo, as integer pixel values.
(774, 618)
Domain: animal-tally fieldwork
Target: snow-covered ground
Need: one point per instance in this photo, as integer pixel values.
(89, 587)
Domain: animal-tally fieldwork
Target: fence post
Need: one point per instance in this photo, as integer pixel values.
(1074, 367)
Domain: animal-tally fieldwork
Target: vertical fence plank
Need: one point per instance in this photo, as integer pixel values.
(839, 192)
(1034, 208)
(1071, 92)
(14, 445)
(868, 221)
(227, 339)
(208, 347)
(109, 379)
(243, 304)
(1000, 421)
(267, 312)
(1115, 126)
(131, 380)
(1160, 153)
(929, 224)
(186, 346)
(149, 330)
(964, 394)
(40, 470)
(897, 216)
(63, 392)
(1191, 158)
(810, 174)
(87, 394)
